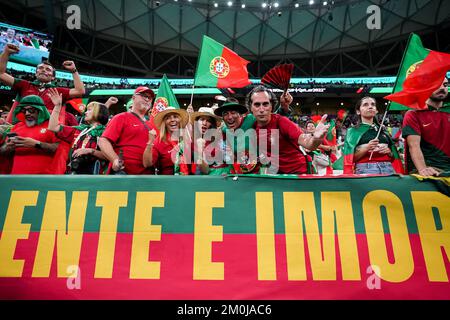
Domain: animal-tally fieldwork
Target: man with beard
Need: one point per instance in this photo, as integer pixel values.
(427, 133)
(127, 134)
(29, 141)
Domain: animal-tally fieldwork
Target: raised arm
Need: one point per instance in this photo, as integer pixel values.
(311, 142)
(6, 78)
(53, 123)
(78, 89)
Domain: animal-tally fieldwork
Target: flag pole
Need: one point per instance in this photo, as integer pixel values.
(379, 130)
(395, 84)
(192, 94)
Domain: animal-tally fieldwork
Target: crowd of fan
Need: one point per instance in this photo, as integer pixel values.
(39, 136)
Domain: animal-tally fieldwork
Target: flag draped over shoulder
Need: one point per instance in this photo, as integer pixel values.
(164, 98)
(220, 67)
(351, 141)
(421, 73)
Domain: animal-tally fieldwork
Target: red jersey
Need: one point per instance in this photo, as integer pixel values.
(26, 88)
(33, 160)
(433, 127)
(162, 157)
(290, 159)
(127, 133)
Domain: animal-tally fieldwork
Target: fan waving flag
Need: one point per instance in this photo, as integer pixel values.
(220, 67)
(414, 54)
(423, 81)
(164, 98)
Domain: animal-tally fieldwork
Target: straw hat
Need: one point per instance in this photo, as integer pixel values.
(159, 118)
(205, 112)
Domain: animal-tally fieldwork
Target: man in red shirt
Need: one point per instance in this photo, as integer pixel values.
(33, 146)
(427, 133)
(127, 132)
(284, 152)
(45, 74)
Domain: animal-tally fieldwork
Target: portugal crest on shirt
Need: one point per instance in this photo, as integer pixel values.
(43, 130)
(219, 67)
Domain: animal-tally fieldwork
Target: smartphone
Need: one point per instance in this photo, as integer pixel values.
(11, 134)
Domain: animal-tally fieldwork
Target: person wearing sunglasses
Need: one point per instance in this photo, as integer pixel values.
(31, 145)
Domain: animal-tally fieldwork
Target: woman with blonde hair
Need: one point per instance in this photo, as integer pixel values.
(85, 156)
(169, 151)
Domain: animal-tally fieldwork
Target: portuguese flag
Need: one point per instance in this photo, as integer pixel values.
(414, 54)
(220, 67)
(78, 104)
(165, 97)
(420, 84)
(351, 141)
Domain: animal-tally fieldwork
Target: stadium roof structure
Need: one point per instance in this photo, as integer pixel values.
(322, 38)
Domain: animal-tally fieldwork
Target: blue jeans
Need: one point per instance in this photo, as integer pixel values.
(374, 168)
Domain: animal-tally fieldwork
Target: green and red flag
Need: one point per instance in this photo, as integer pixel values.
(414, 54)
(164, 98)
(331, 133)
(78, 104)
(220, 67)
(423, 81)
(351, 141)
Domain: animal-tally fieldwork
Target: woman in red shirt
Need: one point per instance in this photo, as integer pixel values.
(168, 152)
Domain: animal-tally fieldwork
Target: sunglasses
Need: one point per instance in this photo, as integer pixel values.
(146, 97)
(29, 110)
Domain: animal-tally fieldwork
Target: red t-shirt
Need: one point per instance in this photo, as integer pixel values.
(433, 127)
(127, 133)
(291, 160)
(33, 160)
(162, 157)
(26, 88)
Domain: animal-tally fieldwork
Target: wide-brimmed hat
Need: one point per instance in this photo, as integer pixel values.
(230, 106)
(159, 118)
(35, 102)
(205, 112)
(146, 90)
